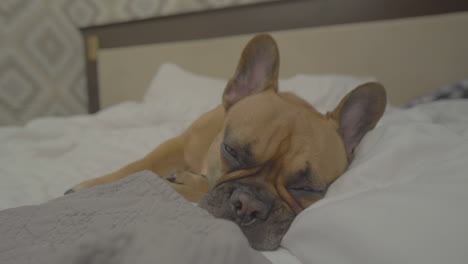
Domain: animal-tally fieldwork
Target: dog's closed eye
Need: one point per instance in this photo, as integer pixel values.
(307, 191)
(301, 185)
(231, 156)
(229, 150)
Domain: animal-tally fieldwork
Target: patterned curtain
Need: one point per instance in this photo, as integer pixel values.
(41, 60)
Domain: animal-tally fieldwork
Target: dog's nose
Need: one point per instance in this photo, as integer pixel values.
(247, 209)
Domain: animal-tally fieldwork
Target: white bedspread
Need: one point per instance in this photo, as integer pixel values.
(403, 200)
(48, 156)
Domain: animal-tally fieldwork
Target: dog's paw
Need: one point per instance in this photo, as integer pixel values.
(79, 187)
(192, 187)
(182, 177)
(172, 177)
(69, 191)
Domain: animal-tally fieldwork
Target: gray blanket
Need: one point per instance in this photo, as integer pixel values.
(139, 219)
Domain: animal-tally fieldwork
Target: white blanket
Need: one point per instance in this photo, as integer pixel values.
(41, 160)
(403, 200)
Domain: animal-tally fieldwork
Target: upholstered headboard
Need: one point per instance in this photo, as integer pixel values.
(412, 47)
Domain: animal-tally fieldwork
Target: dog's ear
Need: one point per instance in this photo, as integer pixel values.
(358, 112)
(257, 70)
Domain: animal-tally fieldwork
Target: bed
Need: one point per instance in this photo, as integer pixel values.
(404, 198)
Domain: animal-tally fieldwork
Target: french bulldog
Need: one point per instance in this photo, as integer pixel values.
(262, 156)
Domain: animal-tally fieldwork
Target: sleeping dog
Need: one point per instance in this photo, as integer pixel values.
(262, 156)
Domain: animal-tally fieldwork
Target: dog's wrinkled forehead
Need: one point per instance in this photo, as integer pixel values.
(270, 117)
(266, 128)
(259, 124)
(253, 117)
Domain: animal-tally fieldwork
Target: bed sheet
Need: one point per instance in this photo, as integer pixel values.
(403, 199)
(42, 159)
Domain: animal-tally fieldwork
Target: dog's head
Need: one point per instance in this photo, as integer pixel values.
(276, 154)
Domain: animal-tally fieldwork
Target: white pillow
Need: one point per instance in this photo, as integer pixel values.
(182, 92)
(404, 198)
(323, 91)
(187, 93)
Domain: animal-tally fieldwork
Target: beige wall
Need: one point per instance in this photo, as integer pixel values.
(410, 56)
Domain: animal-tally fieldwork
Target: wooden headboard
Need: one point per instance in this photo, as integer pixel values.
(325, 27)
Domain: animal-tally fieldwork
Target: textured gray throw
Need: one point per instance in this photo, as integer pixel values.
(139, 219)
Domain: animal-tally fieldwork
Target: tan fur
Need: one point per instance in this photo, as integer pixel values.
(183, 155)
